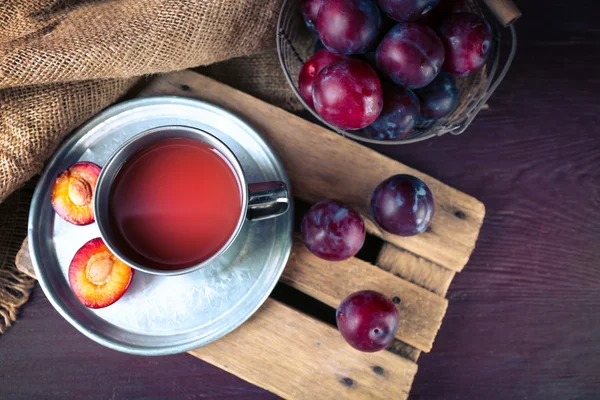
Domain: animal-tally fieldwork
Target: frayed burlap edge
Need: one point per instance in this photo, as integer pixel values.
(15, 286)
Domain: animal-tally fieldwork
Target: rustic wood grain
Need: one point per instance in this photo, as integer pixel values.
(415, 269)
(337, 168)
(421, 312)
(291, 354)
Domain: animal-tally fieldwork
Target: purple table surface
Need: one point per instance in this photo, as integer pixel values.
(524, 316)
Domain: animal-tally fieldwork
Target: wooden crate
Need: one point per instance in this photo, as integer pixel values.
(293, 354)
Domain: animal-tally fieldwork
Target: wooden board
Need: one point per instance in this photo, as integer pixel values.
(415, 269)
(292, 353)
(297, 357)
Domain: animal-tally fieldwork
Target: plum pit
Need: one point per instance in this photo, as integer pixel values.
(98, 268)
(80, 192)
(97, 277)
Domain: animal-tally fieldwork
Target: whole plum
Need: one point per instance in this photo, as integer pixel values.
(439, 98)
(333, 231)
(467, 39)
(399, 115)
(411, 55)
(367, 320)
(402, 205)
(310, 12)
(407, 10)
(347, 94)
(349, 26)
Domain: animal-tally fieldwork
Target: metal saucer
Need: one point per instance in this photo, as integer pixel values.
(161, 315)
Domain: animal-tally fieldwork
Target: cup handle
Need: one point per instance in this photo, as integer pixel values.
(267, 200)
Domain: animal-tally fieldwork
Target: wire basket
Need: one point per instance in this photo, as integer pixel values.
(295, 44)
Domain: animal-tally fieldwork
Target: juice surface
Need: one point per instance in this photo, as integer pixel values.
(174, 204)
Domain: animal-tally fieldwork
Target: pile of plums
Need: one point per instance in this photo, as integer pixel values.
(388, 65)
(401, 205)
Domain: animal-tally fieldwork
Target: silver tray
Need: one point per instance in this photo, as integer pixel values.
(162, 314)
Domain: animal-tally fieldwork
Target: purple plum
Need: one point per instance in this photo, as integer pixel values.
(399, 115)
(411, 55)
(402, 205)
(310, 12)
(439, 98)
(349, 26)
(347, 94)
(407, 10)
(367, 320)
(467, 39)
(333, 231)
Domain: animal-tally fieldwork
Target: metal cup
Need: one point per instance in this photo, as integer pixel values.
(260, 200)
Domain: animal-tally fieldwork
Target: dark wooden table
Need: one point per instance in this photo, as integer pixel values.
(524, 316)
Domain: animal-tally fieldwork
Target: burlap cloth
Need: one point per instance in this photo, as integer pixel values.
(62, 61)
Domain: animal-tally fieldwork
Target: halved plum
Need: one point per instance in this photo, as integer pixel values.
(97, 277)
(73, 193)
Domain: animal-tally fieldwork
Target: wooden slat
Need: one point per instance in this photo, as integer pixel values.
(415, 269)
(421, 312)
(341, 169)
(404, 350)
(297, 357)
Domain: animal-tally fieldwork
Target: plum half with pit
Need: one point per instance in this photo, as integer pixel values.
(310, 12)
(333, 231)
(97, 277)
(402, 205)
(467, 39)
(347, 94)
(411, 55)
(311, 69)
(407, 10)
(348, 26)
(367, 320)
(399, 115)
(439, 98)
(73, 193)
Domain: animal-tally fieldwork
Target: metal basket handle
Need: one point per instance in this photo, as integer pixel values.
(505, 10)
